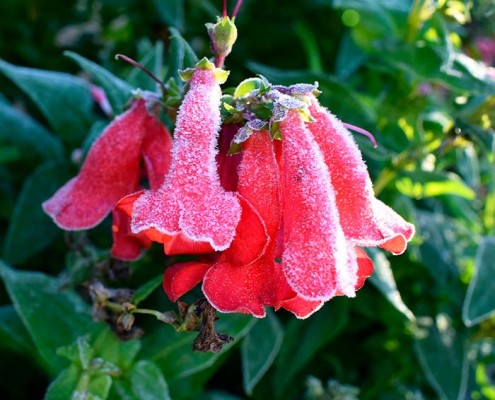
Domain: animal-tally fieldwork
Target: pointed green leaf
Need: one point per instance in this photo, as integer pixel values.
(13, 333)
(440, 351)
(480, 298)
(180, 55)
(20, 130)
(52, 316)
(64, 100)
(115, 351)
(30, 229)
(99, 387)
(145, 290)
(384, 280)
(148, 382)
(171, 12)
(118, 91)
(62, 388)
(303, 339)
(259, 349)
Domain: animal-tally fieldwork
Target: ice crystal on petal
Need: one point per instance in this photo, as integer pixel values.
(192, 200)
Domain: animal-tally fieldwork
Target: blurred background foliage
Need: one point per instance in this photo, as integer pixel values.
(416, 73)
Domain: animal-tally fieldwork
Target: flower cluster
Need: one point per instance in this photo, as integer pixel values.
(272, 196)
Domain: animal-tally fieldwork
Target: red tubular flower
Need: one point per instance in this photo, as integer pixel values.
(246, 277)
(366, 221)
(112, 170)
(191, 201)
(317, 259)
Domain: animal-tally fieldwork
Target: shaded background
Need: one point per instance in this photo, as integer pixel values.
(415, 73)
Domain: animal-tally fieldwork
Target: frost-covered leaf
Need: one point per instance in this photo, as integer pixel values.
(118, 91)
(480, 298)
(440, 351)
(64, 100)
(246, 87)
(13, 333)
(22, 241)
(147, 382)
(180, 56)
(259, 349)
(290, 102)
(384, 280)
(26, 134)
(242, 135)
(256, 124)
(43, 305)
(303, 339)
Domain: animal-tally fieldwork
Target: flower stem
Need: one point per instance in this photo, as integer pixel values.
(134, 63)
(237, 8)
(224, 13)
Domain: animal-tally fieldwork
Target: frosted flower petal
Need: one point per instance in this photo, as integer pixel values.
(364, 219)
(192, 200)
(315, 256)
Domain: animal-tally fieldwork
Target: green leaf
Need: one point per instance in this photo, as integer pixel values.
(20, 130)
(384, 280)
(98, 387)
(217, 395)
(303, 339)
(259, 349)
(63, 99)
(13, 333)
(148, 382)
(62, 388)
(164, 345)
(118, 91)
(115, 351)
(180, 55)
(421, 184)
(145, 290)
(246, 86)
(52, 316)
(349, 58)
(444, 251)
(373, 5)
(479, 304)
(151, 57)
(440, 351)
(30, 229)
(171, 12)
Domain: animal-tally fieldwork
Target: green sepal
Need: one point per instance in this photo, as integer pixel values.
(220, 74)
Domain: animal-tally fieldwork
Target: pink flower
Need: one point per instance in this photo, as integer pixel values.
(191, 204)
(112, 170)
(307, 206)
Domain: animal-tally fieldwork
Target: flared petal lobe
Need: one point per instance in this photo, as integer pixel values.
(315, 254)
(235, 283)
(365, 220)
(110, 171)
(191, 200)
(126, 245)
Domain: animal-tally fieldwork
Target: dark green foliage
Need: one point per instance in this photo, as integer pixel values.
(408, 71)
